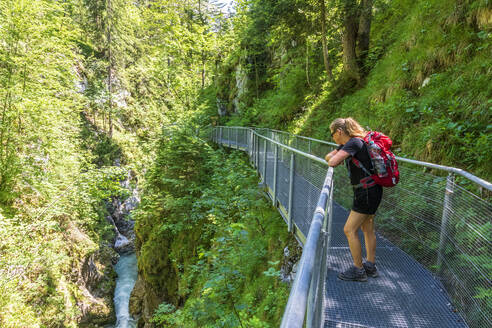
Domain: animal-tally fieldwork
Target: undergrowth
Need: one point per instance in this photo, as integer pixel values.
(211, 243)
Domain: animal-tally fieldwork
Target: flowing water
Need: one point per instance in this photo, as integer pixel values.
(126, 268)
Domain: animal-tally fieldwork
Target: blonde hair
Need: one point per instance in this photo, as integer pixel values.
(349, 126)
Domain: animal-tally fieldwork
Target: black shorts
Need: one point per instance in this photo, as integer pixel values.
(366, 201)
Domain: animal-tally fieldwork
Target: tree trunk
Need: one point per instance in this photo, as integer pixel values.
(349, 39)
(323, 40)
(202, 21)
(168, 68)
(110, 102)
(307, 63)
(203, 69)
(256, 78)
(5, 125)
(364, 30)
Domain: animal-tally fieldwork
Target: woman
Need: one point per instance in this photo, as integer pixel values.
(367, 195)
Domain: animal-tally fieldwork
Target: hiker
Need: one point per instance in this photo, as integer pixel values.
(348, 134)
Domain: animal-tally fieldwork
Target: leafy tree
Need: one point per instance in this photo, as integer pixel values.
(38, 118)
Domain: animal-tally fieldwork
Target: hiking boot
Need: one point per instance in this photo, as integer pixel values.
(353, 274)
(371, 269)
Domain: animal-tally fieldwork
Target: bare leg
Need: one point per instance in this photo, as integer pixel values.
(369, 238)
(354, 222)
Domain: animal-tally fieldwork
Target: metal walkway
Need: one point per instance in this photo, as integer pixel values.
(406, 294)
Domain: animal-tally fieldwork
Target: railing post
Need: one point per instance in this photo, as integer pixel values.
(249, 138)
(314, 285)
(446, 212)
(301, 292)
(329, 219)
(253, 149)
(275, 164)
(291, 191)
(257, 148)
(250, 146)
(264, 159)
(237, 142)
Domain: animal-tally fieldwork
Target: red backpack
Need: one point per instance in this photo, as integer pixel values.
(386, 172)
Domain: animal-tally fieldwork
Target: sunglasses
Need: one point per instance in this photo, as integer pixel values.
(333, 133)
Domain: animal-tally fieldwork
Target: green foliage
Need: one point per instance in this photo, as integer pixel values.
(215, 230)
(168, 196)
(106, 152)
(37, 288)
(52, 215)
(39, 113)
(85, 84)
(427, 85)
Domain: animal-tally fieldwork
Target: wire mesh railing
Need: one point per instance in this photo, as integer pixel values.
(448, 230)
(431, 217)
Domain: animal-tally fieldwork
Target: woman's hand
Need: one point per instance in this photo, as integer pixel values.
(330, 155)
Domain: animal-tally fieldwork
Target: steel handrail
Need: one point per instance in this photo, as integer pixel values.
(481, 182)
(312, 157)
(294, 150)
(297, 304)
(301, 137)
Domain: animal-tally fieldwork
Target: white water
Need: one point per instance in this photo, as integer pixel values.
(126, 268)
(121, 241)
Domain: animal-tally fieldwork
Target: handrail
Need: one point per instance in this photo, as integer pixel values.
(296, 306)
(312, 157)
(301, 137)
(481, 182)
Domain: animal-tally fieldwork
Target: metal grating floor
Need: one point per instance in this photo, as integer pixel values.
(404, 295)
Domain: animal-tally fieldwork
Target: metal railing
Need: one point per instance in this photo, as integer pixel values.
(307, 285)
(438, 222)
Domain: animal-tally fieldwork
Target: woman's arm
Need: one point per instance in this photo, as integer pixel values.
(330, 155)
(337, 158)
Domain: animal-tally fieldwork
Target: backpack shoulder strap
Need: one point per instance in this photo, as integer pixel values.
(359, 163)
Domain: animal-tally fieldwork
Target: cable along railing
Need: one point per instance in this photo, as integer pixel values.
(432, 218)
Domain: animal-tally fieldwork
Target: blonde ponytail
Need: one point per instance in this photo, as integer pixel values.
(349, 126)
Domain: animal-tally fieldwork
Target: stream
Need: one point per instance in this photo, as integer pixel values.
(126, 267)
